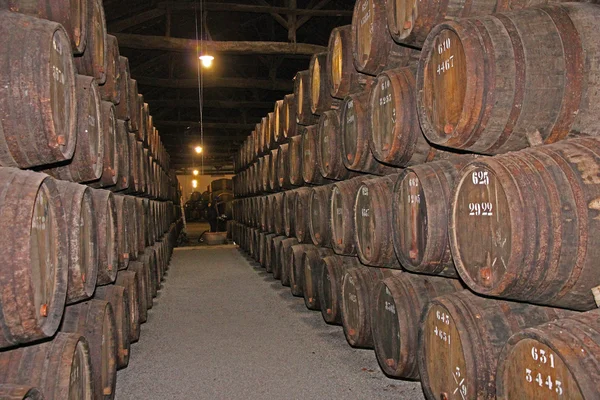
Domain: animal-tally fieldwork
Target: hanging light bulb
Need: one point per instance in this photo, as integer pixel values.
(194, 183)
(206, 60)
(198, 149)
(195, 172)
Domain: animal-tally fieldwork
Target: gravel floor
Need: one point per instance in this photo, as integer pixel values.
(222, 328)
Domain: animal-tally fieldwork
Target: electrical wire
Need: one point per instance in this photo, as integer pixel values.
(200, 75)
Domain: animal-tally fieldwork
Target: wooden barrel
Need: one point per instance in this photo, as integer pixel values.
(289, 116)
(118, 297)
(111, 89)
(277, 210)
(373, 222)
(268, 212)
(63, 373)
(304, 115)
(289, 203)
(122, 231)
(273, 178)
(330, 290)
(103, 203)
(295, 159)
(272, 256)
(278, 122)
(313, 268)
(496, 195)
(132, 220)
(149, 261)
(311, 171)
(503, 105)
(35, 257)
(135, 180)
(128, 280)
(342, 198)
(264, 162)
(421, 205)
(142, 220)
(143, 287)
(122, 108)
(373, 47)
(264, 134)
(284, 268)
(134, 109)
(71, 14)
(265, 245)
(83, 249)
(9, 391)
(329, 142)
(396, 306)
(270, 131)
(320, 98)
(357, 285)
(262, 210)
(301, 215)
(295, 261)
(396, 137)
(95, 320)
(122, 140)
(142, 132)
(354, 120)
(37, 96)
(88, 158)
(342, 76)
(283, 165)
(556, 359)
(94, 60)
(320, 215)
(111, 166)
(461, 336)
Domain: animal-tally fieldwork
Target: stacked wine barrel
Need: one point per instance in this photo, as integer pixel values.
(89, 207)
(433, 186)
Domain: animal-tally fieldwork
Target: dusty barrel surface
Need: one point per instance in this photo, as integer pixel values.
(334, 268)
(122, 108)
(559, 358)
(396, 137)
(289, 202)
(104, 206)
(313, 268)
(329, 156)
(341, 203)
(275, 261)
(95, 320)
(118, 298)
(496, 195)
(143, 286)
(264, 247)
(354, 120)
(357, 285)
(134, 108)
(83, 244)
(122, 231)
(128, 280)
(320, 97)
(149, 261)
(111, 90)
(289, 128)
(319, 209)
(285, 268)
(396, 306)
(283, 165)
(131, 219)
(373, 48)
(296, 262)
(71, 14)
(36, 256)
(295, 160)
(342, 76)
(65, 372)
(277, 211)
(273, 178)
(37, 97)
(502, 104)
(311, 171)
(302, 215)
(111, 165)
(9, 391)
(122, 140)
(271, 257)
(420, 216)
(94, 60)
(278, 121)
(87, 162)
(461, 336)
(304, 115)
(373, 222)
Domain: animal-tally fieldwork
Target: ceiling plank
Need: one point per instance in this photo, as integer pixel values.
(235, 83)
(266, 8)
(120, 26)
(147, 42)
(306, 18)
(280, 20)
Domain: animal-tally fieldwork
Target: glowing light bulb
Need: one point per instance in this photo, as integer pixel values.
(198, 149)
(194, 183)
(206, 61)
(195, 172)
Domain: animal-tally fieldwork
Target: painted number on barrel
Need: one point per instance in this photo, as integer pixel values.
(448, 63)
(543, 357)
(364, 212)
(480, 178)
(481, 209)
(460, 382)
(414, 198)
(444, 319)
(390, 307)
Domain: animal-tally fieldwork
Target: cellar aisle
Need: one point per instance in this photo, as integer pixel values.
(222, 328)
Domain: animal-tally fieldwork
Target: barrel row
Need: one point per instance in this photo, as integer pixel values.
(74, 94)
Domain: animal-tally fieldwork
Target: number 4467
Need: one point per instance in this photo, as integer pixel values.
(555, 385)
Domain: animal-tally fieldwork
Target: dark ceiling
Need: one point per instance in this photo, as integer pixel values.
(242, 85)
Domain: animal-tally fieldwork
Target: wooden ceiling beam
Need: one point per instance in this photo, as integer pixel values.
(148, 42)
(264, 9)
(234, 83)
(119, 26)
